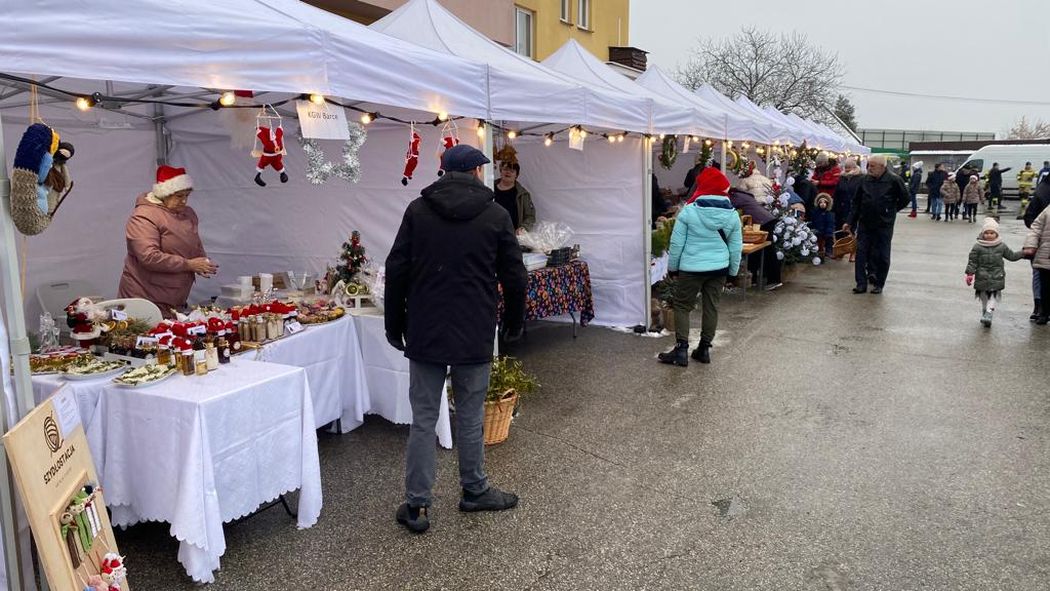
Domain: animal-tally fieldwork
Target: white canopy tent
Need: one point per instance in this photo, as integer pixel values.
(795, 135)
(520, 89)
(669, 117)
(733, 126)
(770, 130)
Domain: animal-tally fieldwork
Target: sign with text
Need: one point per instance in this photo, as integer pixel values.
(322, 122)
(56, 477)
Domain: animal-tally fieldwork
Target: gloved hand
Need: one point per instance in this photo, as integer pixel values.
(396, 341)
(969, 279)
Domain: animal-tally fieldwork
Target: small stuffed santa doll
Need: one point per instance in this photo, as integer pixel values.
(411, 158)
(272, 155)
(446, 142)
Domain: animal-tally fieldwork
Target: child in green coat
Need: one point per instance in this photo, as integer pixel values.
(986, 271)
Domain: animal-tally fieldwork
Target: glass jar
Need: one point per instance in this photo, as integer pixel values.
(260, 328)
(211, 356)
(163, 356)
(187, 362)
(274, 326)
(224, 350)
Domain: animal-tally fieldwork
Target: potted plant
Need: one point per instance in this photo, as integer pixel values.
(507, 383)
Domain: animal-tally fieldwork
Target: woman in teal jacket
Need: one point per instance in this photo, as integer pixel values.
(706, 246)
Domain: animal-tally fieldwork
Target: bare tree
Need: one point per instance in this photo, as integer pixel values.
(1023, 130)
(784, 71)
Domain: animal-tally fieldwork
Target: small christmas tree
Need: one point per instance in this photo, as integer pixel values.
(352, 260)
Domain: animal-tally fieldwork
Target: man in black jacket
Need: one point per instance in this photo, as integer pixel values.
(880, 196)
(454, 246)
(995, 185)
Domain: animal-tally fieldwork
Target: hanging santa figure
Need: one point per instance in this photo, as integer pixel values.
(446, 142)
(272, 153)
(411, 158)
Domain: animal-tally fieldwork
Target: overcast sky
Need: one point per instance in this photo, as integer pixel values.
(961, 48)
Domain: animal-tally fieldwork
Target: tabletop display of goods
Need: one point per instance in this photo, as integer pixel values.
(91, 368)
(320, 312)
(56, 361)
(146, 375)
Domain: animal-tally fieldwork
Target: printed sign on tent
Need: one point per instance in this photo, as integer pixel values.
(322, 122)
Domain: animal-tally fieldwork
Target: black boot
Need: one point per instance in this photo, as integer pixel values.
(678, 356)
(284, 177)
(1035, 311)
(258, 180)
(702, 352)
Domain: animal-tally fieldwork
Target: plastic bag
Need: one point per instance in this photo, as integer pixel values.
(546, 236)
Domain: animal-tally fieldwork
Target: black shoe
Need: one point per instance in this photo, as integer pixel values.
(284, 177)
(702, 353)
(1036, 310)
(1042, 320)
(678, 356)
(413, 518)
(860, 289)
(876, 290)
(258, 180)
(871, 280)
(493, 499)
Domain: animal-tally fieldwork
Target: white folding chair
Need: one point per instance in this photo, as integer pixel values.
(54, 297)
(135, 308)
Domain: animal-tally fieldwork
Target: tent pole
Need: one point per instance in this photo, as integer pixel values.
(16, 326)
(647, 233)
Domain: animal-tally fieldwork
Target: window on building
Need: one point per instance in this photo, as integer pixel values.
(583, 16)
(566, 11)
(524, 28)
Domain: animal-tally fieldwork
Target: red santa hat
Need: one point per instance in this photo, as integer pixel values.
(171, 180)
(710, 181)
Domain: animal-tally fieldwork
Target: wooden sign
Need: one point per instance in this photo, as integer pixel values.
(56, 477)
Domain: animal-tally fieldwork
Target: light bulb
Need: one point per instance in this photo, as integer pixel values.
(481, 130)
(746, 145)
(317, 99)
(708, 143)
(620, 137)
(583, 133)
(227, 99)
(512, 134)
(547, 141)
(84, 103)
(612, 139)
(662, 136)
(366, 118)
(442, 116)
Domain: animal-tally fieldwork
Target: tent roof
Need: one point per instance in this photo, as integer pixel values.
(520, 89)
(731, 125)
(264, 45)
(572, 59)
(773, 130)
(795, 134)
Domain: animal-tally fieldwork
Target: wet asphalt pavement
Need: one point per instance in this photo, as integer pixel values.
(838, 441)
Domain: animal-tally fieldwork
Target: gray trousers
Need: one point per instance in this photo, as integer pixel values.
(426, 387)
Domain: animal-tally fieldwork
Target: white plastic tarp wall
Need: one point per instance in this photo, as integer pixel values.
(599, 194)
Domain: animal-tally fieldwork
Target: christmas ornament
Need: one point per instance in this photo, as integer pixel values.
(319, 168)
(39, 179)
(449, 138)
(411, 156)
(669, 152)
(269, 144)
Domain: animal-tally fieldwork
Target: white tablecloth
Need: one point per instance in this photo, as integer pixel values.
(331, 356)
(200, 451)
(87, 395)
(386, 374)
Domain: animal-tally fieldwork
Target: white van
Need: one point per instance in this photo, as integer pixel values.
(1012, 156)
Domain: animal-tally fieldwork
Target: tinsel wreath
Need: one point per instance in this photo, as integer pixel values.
(319, 168)
(669, 153)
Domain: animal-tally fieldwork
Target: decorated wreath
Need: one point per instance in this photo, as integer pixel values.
(669, 153)
(319, 168)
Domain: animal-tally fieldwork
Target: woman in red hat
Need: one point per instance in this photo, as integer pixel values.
(165, 253)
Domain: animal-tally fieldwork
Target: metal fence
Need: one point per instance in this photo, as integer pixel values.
(899, 139)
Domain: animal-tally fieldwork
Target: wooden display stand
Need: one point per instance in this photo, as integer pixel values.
(51, 462)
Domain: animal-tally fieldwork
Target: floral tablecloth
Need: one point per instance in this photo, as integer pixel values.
(554, 291)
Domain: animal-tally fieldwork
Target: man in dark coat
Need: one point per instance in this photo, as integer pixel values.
(934, 181)
(995, 185)
(849, 182)
(454, 247)
(1039, 202)
(880, 196)
(914, 186)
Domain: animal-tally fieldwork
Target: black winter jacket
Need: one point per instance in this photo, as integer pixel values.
(455, 245)
(843, 197)
(878, 200)
(1038, 203)
(995, 178)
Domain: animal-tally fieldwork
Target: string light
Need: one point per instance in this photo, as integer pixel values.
(227, 99)
(620, 137)
(746, 146)
(662, 136)
(611, 138)
(442, 116)
(85, 102)
(708, 143)
(317, 99)
(583, 132)
(481, 129)
(547, 141)
(367, 118)
(512, 134)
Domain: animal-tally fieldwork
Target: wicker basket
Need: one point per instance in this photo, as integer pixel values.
(755, 236)
(498, 415)
(845, 244)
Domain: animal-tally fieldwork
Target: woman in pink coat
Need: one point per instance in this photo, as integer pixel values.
(165, 253)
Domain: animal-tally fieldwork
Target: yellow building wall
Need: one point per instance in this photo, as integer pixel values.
(609, 26)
